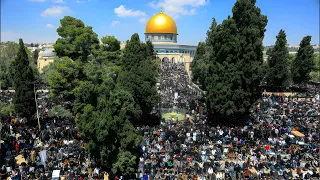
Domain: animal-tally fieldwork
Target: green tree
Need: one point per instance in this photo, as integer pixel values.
(6, 109)
(47, 71)
(290, 64)
(139, 74)
(104, 109)
(234, 49)
(104, 112)
(150, 49)
(9, 51)
(315, 75)
(76, 39)
(223, 93)
(291, 60)
(110, 43)
(278, 73)
(35, 56)
(317, 62)
(23, 77)
(62, 75)
(210, 34)
(199, 65)
(108, 51)
(133, 53)
(304, 62)
(59, 110)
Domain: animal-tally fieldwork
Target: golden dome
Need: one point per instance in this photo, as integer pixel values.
(161, 23)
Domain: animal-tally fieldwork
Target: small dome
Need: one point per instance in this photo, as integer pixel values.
(48, 53)
(161, 23)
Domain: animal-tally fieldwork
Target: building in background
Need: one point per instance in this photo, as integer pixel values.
(162, 31)
(45, 58)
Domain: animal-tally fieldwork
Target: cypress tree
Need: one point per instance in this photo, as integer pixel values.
(199, 65)
(303, 64)
(35, 56)
(278, 73)
(234, 49)
(223, 94)
(23, 78)
(150, 50)
(133, 53)
(139, 74)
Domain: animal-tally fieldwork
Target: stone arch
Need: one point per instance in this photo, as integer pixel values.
(173, 60)
(165, 60)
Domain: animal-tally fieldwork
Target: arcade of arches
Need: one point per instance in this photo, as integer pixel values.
(175, 58)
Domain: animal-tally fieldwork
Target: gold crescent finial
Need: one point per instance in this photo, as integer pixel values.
(161, 10)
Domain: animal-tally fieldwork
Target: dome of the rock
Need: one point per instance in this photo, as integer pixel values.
(161, 23)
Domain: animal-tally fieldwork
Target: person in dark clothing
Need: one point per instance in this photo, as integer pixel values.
(3, 173)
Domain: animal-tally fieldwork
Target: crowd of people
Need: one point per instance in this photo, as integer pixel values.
(28, 152)
(6, 96)
(281, 141)
(269, 147)
(175, 88)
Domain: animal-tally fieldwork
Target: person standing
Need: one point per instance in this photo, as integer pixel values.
(145, 176)
(33, 156)
(106, 176)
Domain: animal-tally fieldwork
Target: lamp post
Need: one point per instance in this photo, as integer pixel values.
(0, 134)
(0, 143)
(35, 98)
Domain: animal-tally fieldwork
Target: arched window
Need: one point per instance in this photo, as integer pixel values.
(165, 60)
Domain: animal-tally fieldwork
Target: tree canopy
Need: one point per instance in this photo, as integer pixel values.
(110, 43)
(278, 73)
(63, 77)
(315, 75)
(59, 111)
(104, 113)
(199, 65)
(139, 74)
(108, 51)
(233, 57)
(23, 77)
(109, 90)
(303, 64)
(35, 56)
(6, 109)
(76, 39)
(9, 51)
